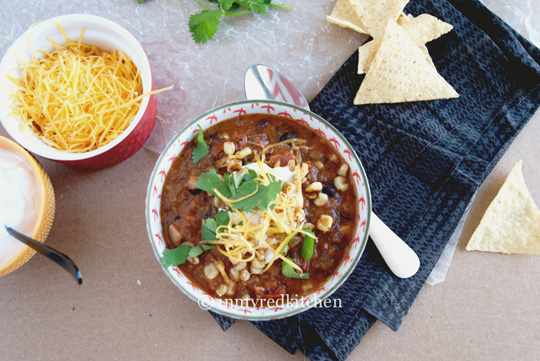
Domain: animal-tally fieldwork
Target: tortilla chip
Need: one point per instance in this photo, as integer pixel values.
(399, 72)
(421, 29)
(366, 53)
(402, 18)
(344, 16)
(425, 28)
(374, 14)
(425, 50)
(511, 223)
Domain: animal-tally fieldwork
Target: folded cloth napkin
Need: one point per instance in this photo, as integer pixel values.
(424, 161)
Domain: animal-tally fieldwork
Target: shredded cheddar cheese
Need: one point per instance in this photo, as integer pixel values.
(77, 97)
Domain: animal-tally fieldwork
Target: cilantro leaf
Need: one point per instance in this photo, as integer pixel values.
(227, 4)
(196, 251)
(209, 181)
(209, 226)
(179, 255)
(258, 7)
(233, 181)
(175, 257)
(202, 148)
(204, 25)
(250, 176)
(288, 271)
(261, 199)
(222, 218)
(237, 187)
(245, 189)
(208, 229)
(268, 195)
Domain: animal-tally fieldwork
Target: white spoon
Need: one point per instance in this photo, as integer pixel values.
(263, 82)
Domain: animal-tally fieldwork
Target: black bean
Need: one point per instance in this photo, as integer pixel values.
(217, 137)
(262, 123)
(194, 191)
(287, 135)
(329, 189)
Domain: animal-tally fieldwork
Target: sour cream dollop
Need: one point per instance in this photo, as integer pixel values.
(19, 202)
(281, 173)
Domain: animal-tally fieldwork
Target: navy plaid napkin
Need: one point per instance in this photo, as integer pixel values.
(424, 160)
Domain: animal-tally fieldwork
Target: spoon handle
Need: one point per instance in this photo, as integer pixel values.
(399, 257)
(61, 259)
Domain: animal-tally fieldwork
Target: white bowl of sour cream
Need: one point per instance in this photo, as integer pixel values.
(26, 203)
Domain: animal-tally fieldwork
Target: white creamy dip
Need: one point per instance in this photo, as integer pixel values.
(281, 173)
(19, 202)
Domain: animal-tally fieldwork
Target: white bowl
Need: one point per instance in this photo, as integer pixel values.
(219, 114)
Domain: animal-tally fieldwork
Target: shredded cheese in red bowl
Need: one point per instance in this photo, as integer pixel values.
(78, 89)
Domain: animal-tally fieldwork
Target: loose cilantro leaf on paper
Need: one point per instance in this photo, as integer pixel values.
(210, 225)
(202, 148)
(288, 271)
(204, 25)
(179, 255)
(227, 4)
(259, 7)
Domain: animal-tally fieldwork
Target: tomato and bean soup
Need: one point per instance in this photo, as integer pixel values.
(270, 209)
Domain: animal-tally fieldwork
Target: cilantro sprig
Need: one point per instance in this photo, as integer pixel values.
(245, 187)
(204, 25)
(179, 255)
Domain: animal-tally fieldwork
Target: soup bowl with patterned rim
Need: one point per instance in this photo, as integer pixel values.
(290, 306)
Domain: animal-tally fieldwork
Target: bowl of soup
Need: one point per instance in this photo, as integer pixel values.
(258, 210)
